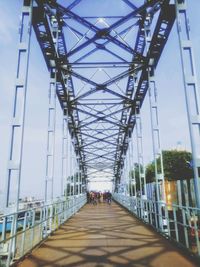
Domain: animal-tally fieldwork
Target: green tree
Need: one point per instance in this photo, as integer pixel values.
(150, 173)
(177, 166)
(137, 179)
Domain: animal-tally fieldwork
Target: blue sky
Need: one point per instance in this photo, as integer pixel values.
(172, 114)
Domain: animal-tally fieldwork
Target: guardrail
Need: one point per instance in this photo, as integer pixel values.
(178, 223)
(20, 232)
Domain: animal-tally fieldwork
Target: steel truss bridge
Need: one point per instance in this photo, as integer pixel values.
(101, 69)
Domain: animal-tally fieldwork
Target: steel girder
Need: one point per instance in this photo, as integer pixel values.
(97, 73)
(160, 37)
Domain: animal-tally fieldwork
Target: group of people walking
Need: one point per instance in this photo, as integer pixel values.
(99, 197)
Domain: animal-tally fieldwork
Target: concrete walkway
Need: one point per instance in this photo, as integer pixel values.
(105, 236)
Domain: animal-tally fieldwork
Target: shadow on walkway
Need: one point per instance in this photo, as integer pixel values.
(105, 236)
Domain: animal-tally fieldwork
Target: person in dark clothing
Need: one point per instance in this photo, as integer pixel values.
(109, 197)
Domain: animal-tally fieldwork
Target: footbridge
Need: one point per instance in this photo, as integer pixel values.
(102, 59)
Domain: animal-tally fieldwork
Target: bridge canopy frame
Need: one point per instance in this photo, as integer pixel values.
(101, 115)
(100, 126)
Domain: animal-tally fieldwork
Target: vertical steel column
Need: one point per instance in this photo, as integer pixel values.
(18, 120)
(125, 174)
(83, 175)
(130, 157)
(81, 181)
(129, 169)
(69, 163)
(133, 181)
(50, 157)
(79, 177)
(124, 177)
(190, 88)
(131, 166)
(19, 105)
(71, 169)
(141, 167)
(132, 147)
(64, 153)
(157, 151)
(74, 172)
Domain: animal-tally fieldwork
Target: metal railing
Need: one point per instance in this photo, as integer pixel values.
(20, 232)
(178, 223)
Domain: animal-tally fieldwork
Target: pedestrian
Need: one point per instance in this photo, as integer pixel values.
(109, 197)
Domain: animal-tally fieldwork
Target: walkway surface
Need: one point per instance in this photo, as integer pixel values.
(105, 236)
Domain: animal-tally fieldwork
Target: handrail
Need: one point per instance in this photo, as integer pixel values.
(35, 226)
(176, 222)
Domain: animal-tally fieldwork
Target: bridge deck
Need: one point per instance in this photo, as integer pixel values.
(105, 236)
